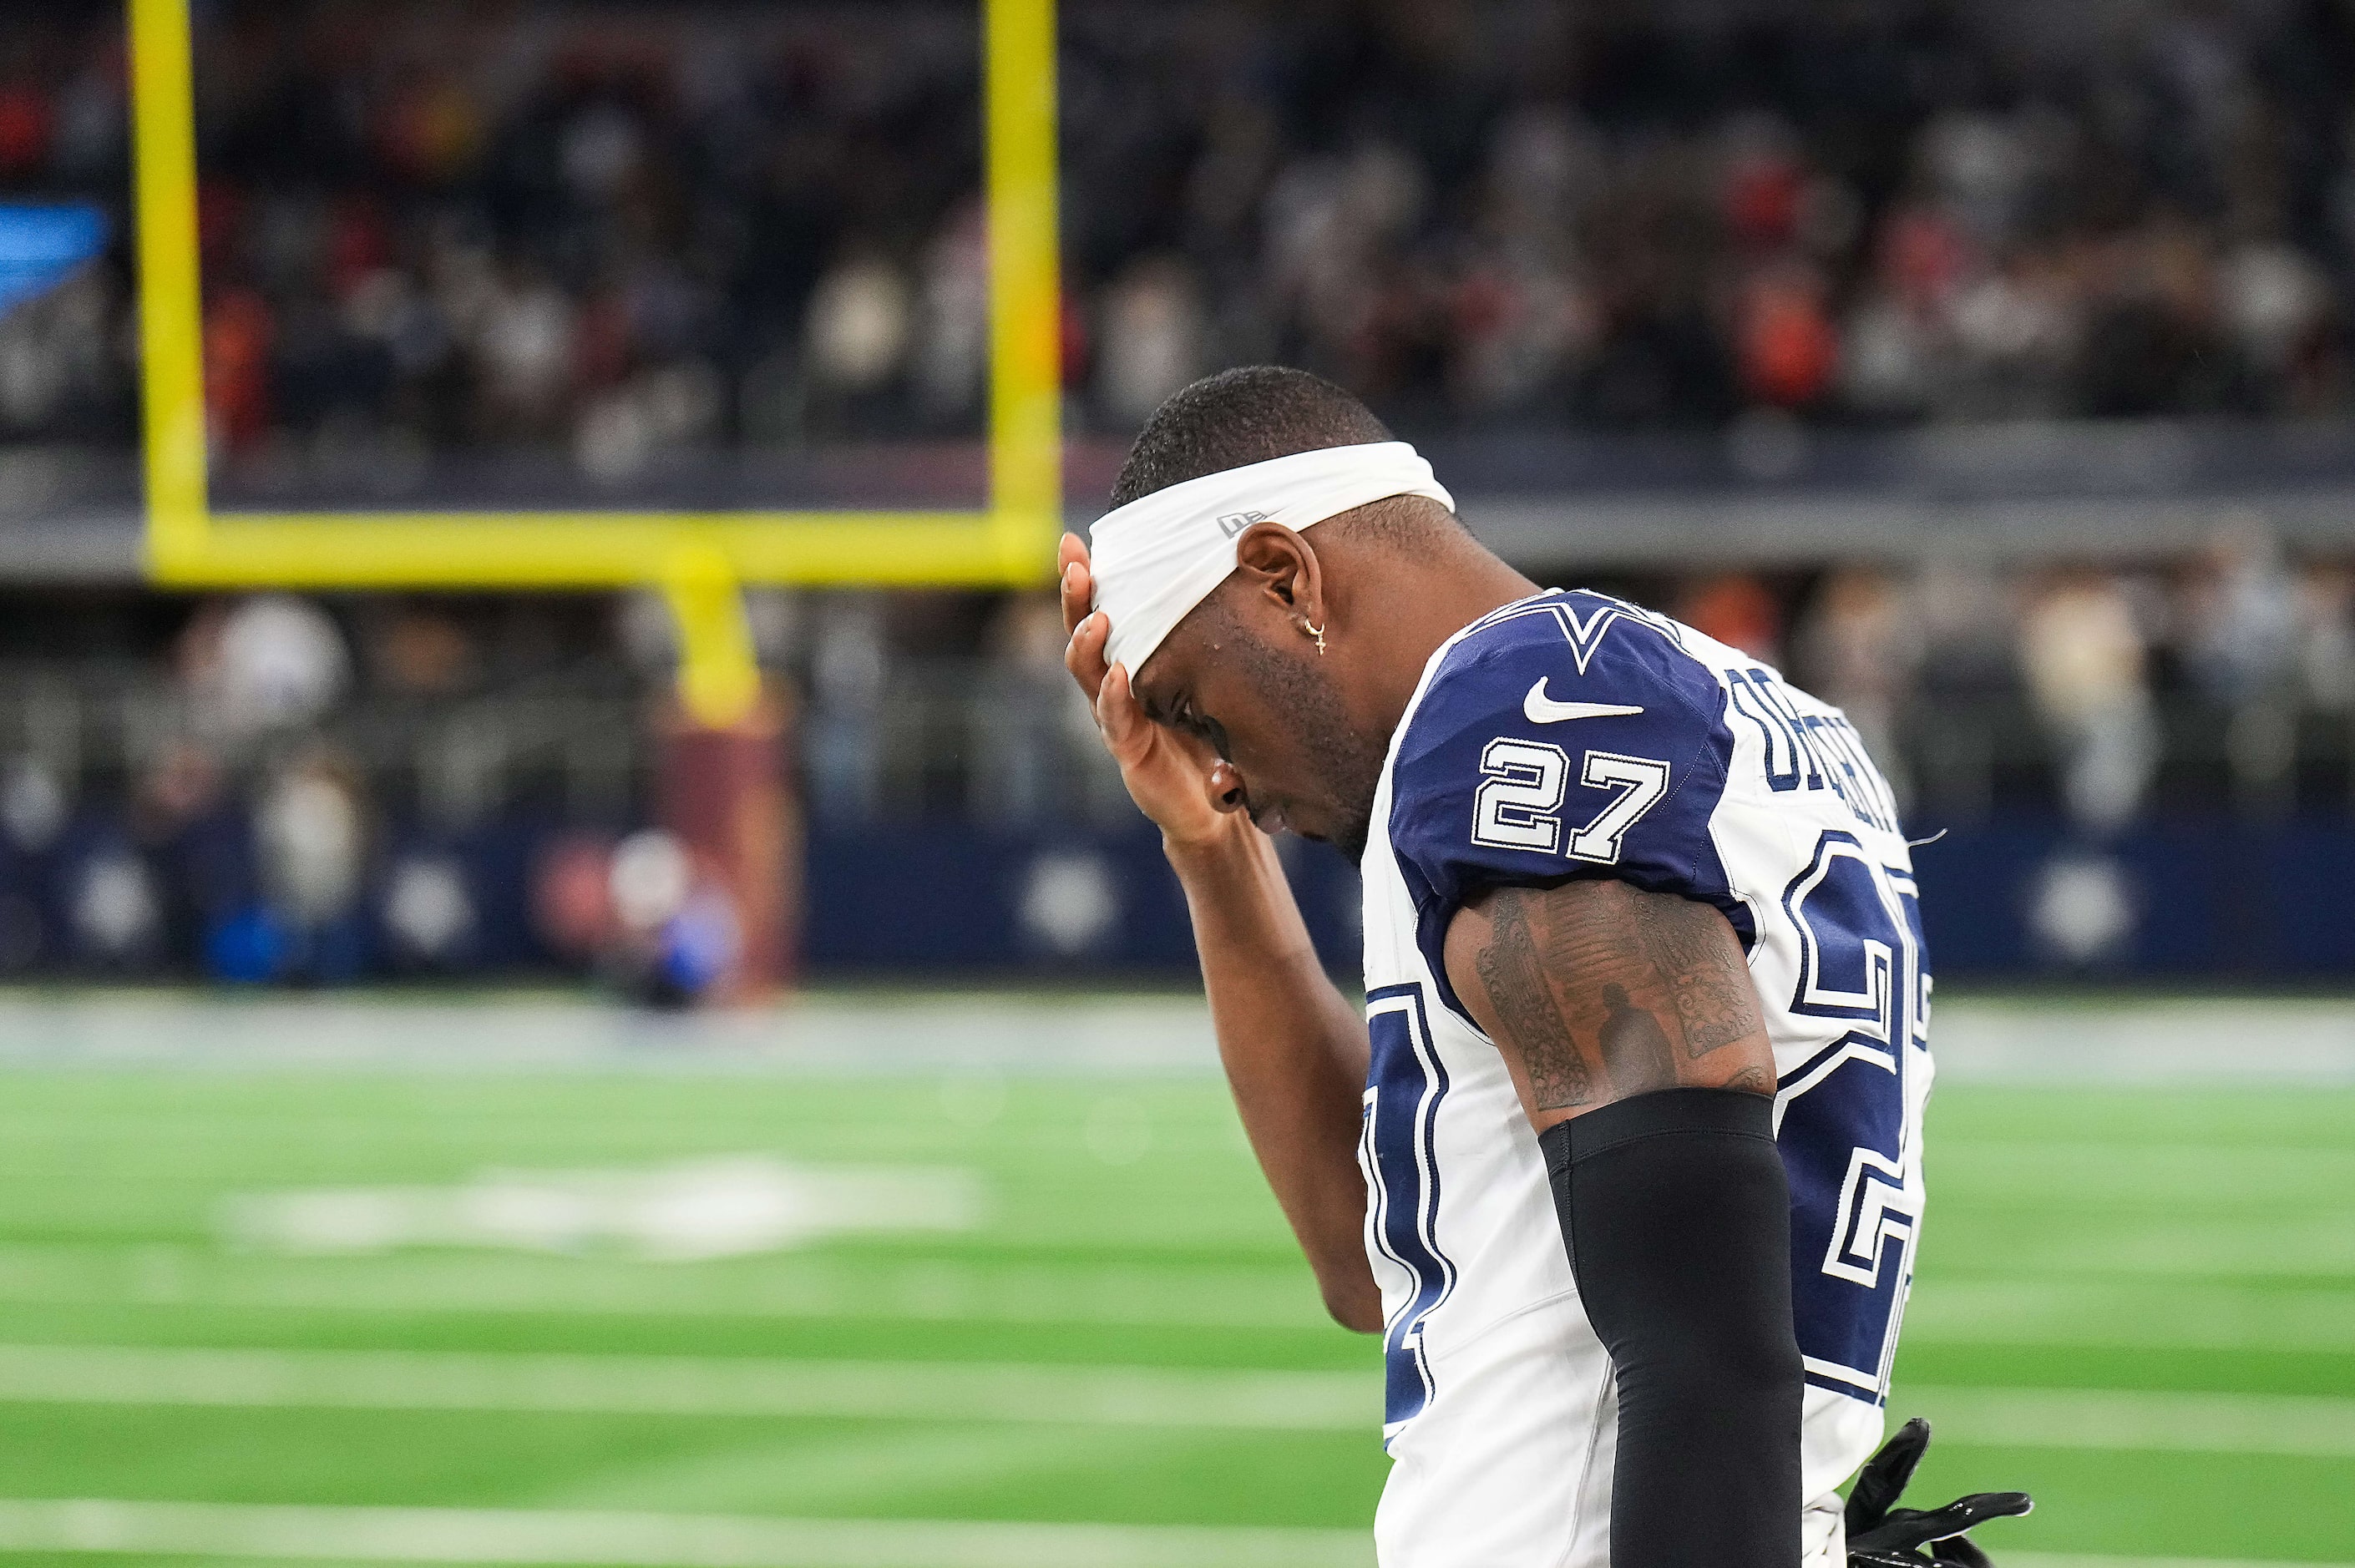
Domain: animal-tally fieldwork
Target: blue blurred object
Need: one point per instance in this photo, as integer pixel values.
(697, 945)
(41, 244)
(249, 947)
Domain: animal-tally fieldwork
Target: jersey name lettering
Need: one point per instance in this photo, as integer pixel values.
(1810, 750)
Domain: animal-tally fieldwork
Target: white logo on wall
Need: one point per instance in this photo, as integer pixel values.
(116, 909)
(1234, 523)
(2083, 908)
(426, 907)
(1070, 904)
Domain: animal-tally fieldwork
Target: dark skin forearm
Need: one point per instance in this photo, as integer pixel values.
(1295, 1051)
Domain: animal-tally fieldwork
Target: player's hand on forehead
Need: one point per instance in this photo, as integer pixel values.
(1174, 778)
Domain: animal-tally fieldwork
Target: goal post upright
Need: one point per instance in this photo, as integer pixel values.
(1026, 378)
(171, 310)
(698, 559)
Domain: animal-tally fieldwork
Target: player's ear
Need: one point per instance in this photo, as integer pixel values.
(1282, 568)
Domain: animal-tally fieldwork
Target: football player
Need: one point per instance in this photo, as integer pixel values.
(1623, 1158)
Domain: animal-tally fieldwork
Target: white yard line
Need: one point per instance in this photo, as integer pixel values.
(856, 1033)
(2250, 1042)
(2288, 1425)
(2280, 1424)
(649, 1539)
(2094, 1313)
(691, 1386)
(2137, 1314)
(168, 1275)
(2246, 1041)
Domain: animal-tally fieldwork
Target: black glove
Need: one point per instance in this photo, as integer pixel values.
(1881, 1535)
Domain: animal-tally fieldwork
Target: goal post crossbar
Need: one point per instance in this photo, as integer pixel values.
(697, 558)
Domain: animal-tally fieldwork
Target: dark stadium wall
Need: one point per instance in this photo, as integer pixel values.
(2020, 898)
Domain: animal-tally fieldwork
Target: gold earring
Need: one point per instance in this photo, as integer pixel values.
(1314, 631)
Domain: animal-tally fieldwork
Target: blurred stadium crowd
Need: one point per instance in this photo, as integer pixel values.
(623, 232)
(608, 238)
(279, 788)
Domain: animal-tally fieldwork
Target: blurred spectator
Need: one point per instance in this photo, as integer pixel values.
(416, 649)
(1022, 775)
(59, 362)
(1150, 343)
(33, 805)
(2240, 636)
(2241, 646)
(240, 333)
(860, 320)
(1737, 610)
(952, 354)
(1788, 346)
(2326, 637)
(1966, 616)
(523, 337)
(572, 896)
(1859, 648)
(675, 932)
(310, 829)
(264, 663)
(849, 668)
(2084, 654)
(185, 821)
(2279, 304)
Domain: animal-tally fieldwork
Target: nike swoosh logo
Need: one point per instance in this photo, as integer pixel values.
(1542, 709)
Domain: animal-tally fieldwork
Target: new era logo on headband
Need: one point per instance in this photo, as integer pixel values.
(1234, 523)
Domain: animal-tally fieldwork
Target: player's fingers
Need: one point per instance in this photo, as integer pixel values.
(1117, 713)
(1071, 595)
(1074, 585)
(1083, 656)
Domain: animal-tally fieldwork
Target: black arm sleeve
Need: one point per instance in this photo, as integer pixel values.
(1677, 1217)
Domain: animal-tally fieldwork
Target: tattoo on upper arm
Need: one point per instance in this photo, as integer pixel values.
(1605, 986)
(1716, 1002)
(1514, 976)
(1634, 1046)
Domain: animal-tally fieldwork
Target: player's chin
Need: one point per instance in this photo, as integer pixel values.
(1345, 830)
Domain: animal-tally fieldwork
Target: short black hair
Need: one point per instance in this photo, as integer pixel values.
(1237, 416)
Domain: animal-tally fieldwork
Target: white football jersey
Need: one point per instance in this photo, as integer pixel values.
(1571, 734)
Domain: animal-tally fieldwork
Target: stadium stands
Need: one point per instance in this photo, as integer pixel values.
(1988, 366)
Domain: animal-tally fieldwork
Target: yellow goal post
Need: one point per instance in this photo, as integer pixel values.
(699, 560)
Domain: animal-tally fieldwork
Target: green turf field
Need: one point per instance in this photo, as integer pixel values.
(2137, 1303)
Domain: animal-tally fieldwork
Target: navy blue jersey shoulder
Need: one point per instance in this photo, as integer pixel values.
(1567, 736)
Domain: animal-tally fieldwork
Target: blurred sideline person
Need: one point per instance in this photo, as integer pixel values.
(1624, 1160)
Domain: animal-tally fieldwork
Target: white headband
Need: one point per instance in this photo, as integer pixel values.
(1158, 557)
